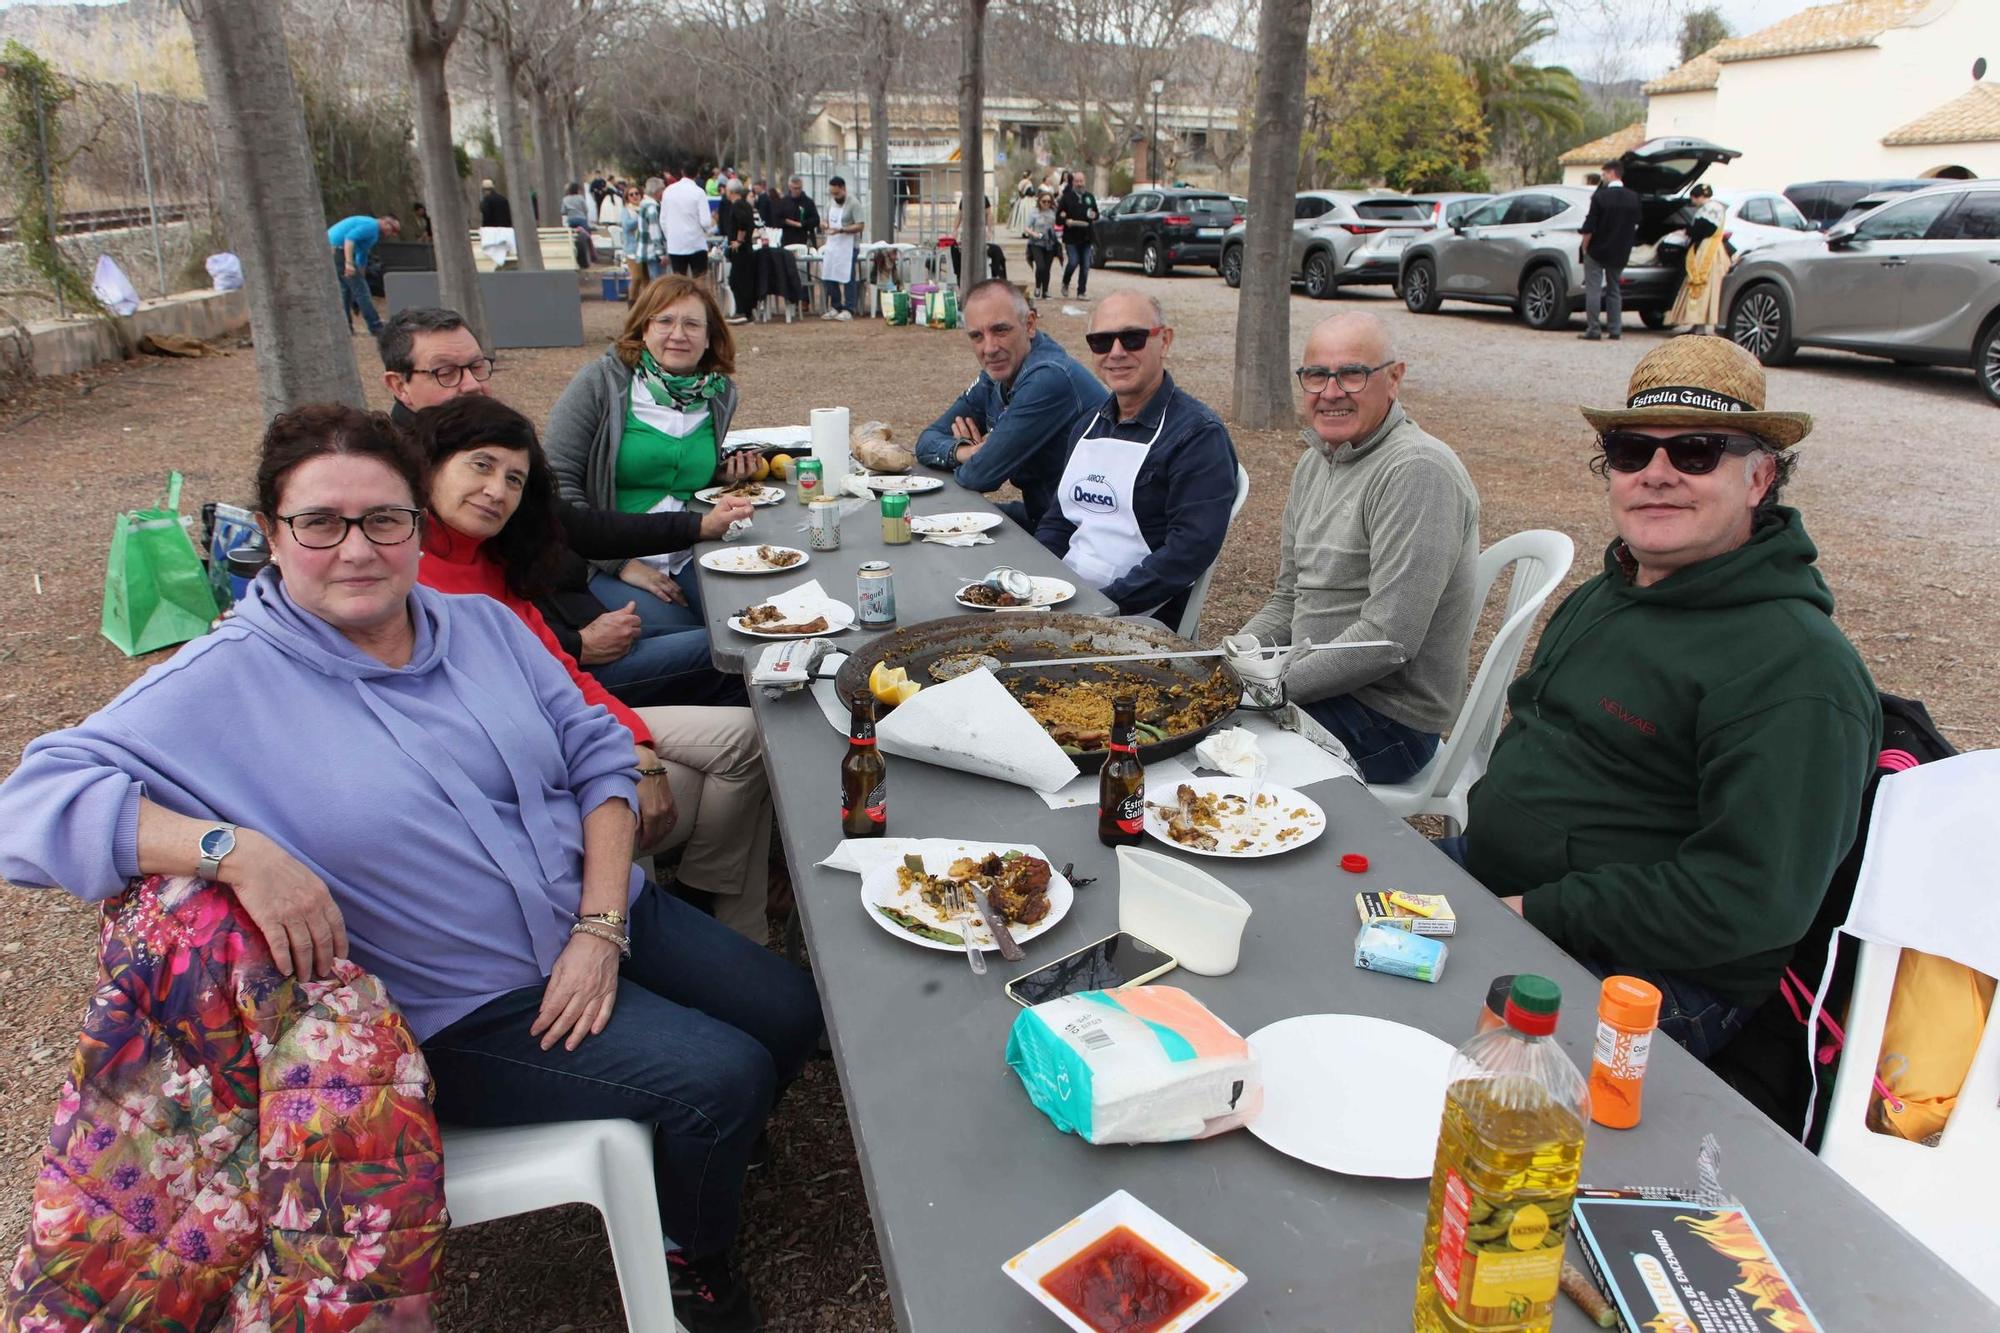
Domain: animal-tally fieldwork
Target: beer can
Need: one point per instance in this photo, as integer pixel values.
(895, 519)
(824, 512)
(875, 594)
(810, 473)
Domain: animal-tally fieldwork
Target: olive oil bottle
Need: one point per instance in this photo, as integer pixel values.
(1507, 1161)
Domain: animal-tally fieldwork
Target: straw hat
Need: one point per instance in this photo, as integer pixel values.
(1701, 381)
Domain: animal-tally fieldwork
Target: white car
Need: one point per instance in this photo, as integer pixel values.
(1757, 218)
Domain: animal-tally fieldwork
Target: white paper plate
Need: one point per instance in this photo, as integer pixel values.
(772, 495)
(839, 616)
(906, 485)
(1047, 593)
(881, 889)
(1260, 827)
(956, 524)
(745, 560)
(1354, 1094)
(1052, 1251)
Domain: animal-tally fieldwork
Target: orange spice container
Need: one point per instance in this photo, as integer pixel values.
(1628, 1010)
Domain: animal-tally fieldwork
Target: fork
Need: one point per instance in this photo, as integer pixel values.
(961, 914)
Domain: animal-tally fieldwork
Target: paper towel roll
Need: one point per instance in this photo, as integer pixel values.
(830, 444)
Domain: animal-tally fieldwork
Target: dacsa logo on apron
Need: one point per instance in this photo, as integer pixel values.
(1095, 493)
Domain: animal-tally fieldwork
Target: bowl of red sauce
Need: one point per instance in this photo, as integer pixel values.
(1123, 1268)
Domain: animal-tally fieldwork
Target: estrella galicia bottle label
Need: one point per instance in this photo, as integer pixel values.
(1131, 812)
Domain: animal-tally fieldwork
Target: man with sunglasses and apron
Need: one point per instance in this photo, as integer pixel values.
(1143, 503)
(1687, 754)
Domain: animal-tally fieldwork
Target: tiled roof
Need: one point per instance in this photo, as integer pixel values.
(1695, 76)
(1971, 117)
(1606, 148)
(1834, 27)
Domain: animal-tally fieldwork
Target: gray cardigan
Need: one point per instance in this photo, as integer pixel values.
(1380, 541)
(588, 423)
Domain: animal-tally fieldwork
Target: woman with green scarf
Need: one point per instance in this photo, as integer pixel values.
(640, 430)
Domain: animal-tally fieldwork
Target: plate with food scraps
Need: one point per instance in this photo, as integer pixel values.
(982, 596)
(1088, 1271)
(888, 485)
(1029, 894)
(765, 621)
(954, 525)
(1234, 817)
(755, 491)
(753, 559)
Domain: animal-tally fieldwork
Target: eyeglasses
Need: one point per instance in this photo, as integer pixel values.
(695, 326)
(448, 377)
(1696, 453)
(1129, 339)
(322, 530)
(1352, 378)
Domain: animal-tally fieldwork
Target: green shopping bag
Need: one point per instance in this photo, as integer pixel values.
(896, 307)
(156, 593)
(943, 309)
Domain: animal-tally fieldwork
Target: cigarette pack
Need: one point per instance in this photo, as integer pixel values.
(1382, 909)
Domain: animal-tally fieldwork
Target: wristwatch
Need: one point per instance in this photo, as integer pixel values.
(217, 841)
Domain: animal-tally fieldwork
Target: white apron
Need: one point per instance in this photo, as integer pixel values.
(836, 257)
(1096, 495)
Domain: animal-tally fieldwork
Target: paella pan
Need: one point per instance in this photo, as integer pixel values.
(1180, 701)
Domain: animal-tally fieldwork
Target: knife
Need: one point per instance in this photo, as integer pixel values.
(1204, 652)
(1009, 950)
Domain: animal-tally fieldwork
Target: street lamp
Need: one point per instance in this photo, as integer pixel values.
(1153, 150)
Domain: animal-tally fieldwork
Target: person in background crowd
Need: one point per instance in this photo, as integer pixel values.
(1686, 755)
(1143, 503)
(611, 208)
(1698, 305)
(1076, 212)
(1610, 228)
(576, 216)
(996, 259)
(420, 222)
(652, 237)
(1380, 540)
(1015, 422)
(353, 240)
(765, 201)
(598, 187)
(1043, 242)
(1023, 203)
(839, 277)
(628, 242)
(738, 225)
(798, 215)
(684, 216)
(494, 210)
(496, 896)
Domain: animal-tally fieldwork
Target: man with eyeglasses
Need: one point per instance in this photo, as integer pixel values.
(1687, 754)
(1143, 501)
(1380, 540)
(1014, 423)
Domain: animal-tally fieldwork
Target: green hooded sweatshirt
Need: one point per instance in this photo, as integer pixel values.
(1684, 766)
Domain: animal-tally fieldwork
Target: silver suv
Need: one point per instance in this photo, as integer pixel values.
(1917, 279)
(1339, 238)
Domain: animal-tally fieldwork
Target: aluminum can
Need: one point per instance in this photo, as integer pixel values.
(810, 473)
(895, 520)
(824, 513)
(875, 594)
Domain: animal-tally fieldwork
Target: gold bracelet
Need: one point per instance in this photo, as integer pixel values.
(624, 942)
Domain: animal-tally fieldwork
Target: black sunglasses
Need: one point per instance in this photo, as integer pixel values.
(1696, 453)
(1129, 339)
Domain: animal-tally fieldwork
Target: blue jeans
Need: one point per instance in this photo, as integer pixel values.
(707, 1029)
(354, 294)
(670, 662)
(656, 615)
(843, 295)
(1078, 261)
(1383, 749)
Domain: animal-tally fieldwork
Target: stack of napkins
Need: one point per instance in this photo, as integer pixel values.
(958, 539)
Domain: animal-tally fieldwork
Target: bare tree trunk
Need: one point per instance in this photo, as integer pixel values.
(881, 181)
(548, 154)
(513, 157)
(1262, 390)
(276, 222)
(427, 42)
(572, 163)
(971, 143)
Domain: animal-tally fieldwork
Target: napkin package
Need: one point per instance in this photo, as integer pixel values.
(1146, 1064)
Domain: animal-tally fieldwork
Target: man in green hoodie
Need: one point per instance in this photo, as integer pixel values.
(1685, 761)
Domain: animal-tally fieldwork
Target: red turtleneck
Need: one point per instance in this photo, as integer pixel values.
(456, 563)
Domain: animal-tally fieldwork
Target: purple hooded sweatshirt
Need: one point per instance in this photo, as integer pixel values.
(442, 802)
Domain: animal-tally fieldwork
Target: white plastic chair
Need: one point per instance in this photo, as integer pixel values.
(1932, 1192)
(608, 1164)
(1542, 559)
(1191, 618)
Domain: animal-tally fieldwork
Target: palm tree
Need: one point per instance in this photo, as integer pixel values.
(1530, 109)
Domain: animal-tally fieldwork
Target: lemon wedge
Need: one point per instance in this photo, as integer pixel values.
(884, 680)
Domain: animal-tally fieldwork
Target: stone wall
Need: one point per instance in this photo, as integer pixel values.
(132, 247)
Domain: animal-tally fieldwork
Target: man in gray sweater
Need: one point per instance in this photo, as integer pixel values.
(1380, 541)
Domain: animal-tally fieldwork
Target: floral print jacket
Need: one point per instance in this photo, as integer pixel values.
(233, 1149)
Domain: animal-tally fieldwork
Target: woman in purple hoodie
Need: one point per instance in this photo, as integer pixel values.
(376, 767)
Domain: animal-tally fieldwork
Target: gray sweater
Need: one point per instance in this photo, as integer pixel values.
(1380, 541)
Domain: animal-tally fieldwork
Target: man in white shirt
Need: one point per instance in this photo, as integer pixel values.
(843, 232)
(684, 216)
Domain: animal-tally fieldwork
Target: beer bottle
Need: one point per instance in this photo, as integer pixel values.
(864, 777)
(1121, 783)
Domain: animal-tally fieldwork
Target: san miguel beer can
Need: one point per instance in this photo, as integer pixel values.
(875, 594)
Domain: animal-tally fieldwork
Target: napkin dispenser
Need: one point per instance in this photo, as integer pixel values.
(1187, 912)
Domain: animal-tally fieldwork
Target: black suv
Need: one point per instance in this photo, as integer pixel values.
(1827, 202)
(1159, 228)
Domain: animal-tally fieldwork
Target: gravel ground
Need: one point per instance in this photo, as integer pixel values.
(1898, 489)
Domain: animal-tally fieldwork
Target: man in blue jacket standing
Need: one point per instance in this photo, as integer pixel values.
(1144, 499)
(1016, 421)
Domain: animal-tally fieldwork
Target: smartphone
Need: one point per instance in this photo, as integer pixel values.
(1114, 961)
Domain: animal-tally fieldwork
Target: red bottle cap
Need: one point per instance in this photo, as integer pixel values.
(1354, 863)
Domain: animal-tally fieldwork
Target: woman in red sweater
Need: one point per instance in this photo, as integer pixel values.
(491, 529)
